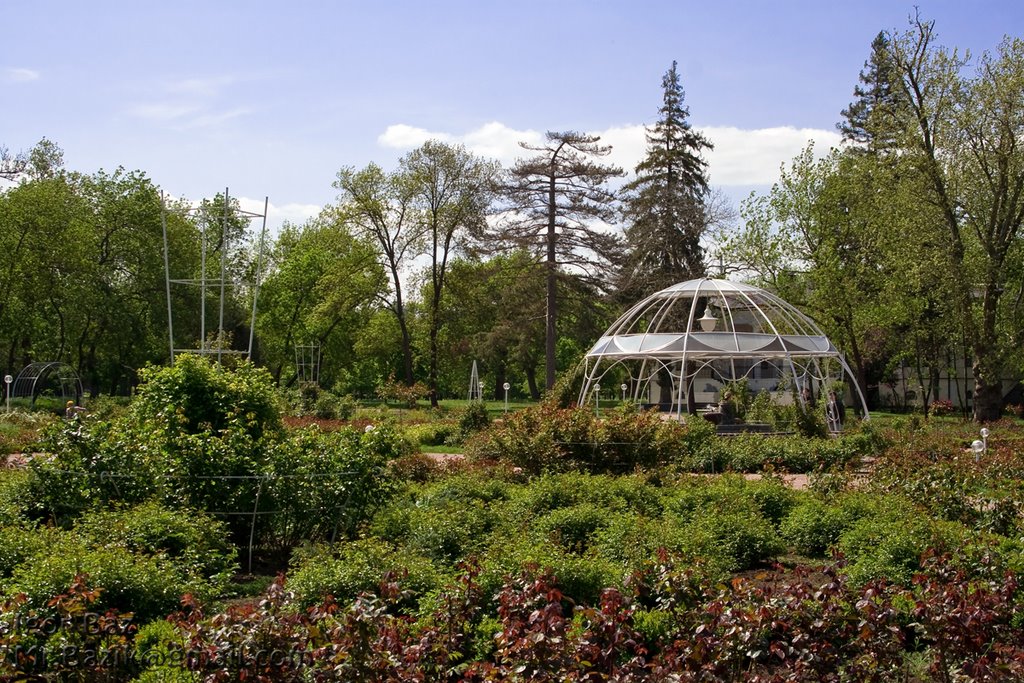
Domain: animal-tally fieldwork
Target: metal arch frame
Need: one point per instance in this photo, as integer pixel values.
(205, 283)
(27, 381)
(788, 338)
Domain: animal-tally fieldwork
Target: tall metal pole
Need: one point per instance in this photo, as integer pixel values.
(167, 275)
(223, 261)
(256, 278)
(202, 285)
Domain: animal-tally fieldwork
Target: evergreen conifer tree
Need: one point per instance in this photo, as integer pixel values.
(557, 205)
(868, 120)
(665, 205)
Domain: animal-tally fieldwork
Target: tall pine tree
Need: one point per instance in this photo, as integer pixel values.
(665, 206)
(869, 119)
(557, 204)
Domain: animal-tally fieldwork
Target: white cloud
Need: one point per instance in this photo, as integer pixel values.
(629, 145)
(754, 157)
(493, 140)
(740, 158)
(497, 141)
(278, 215)
(401, 136)
(163, 111)
(201, 87)
(183, 115)
(190, 103)
(19, 75)
(216, 118)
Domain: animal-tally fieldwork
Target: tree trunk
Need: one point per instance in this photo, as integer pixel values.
(552, 281)
(432, 379)
(988, 391)
(988, 384)
(406, 352)
(531, 381)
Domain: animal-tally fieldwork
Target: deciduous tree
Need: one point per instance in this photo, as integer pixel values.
(451, 191)
(379, 206)
(963, 135)
(321, 289)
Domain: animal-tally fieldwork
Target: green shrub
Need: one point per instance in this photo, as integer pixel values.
(552, 491)
(486, 486)
(630, 539)
(738, 537)
(347, 569)
(641, 493)
(762, 409)
(548, 439)
(107, 407)
(581, 578)
(472, 419)
(572, 528)
(326, 406)
(769, 497)
(84, 465)
(433, 433)
(773, 497)
(653, 625)
(161, 645)
(324, 484)
(17, 500)
(194, 437)
(627, 438)
(813, 526)
(214, 473)
(884, 549)
(890, 544)
(318, 485)
(20, 542)
(537, 439)
(196, 395)
(449, 533)
(147, 586)
(446, 520)
(196, 544)
(723, 520)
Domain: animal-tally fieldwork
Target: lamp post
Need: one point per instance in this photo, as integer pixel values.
(978, 446)
(623, 387)
(506, 386)
(597, 400)
(7, 380)
(481, 387)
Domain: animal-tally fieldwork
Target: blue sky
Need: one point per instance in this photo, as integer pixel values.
(272, 98)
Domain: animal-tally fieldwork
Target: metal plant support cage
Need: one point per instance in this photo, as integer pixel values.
(219, 284)
(679, 347)
(307, 363)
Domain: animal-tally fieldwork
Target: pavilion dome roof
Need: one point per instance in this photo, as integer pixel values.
(707, 318)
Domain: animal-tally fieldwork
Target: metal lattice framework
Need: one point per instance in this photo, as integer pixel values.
(307, 363)
(36, 378)
(220, 284)
(678, 347)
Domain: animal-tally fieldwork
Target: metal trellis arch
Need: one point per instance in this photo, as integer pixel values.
(35, 378)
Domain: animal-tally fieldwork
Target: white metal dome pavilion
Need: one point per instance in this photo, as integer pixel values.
(678, 347)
